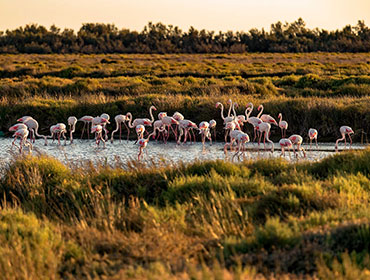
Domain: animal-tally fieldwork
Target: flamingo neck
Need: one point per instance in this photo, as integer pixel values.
(222, 111)
(151, 113)
(234, 110)
(260, 112)
(130, 120)
(229, 112)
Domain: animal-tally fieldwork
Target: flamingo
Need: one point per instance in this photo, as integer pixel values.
(140, 129)
(142, 121)
(185, 125)
(283, 125)
(344, 130)
(266, 118)
(233, 135)
(168, 122)
(158, 125)
(285, 144)
(143, 143)
(177, 116)
(264, 127)
(107, 117)
(98, 130)
(312, 134)
(252, 120)
(241, 138)
(204, 131)
(228, 118)
(212, 126)
(103, 122)
(72, 127)
(161, 115)
(59, 129)
(297, 140)
(22, 133)
(86, 120)
(119, 119)
(15, 127)
(33, 126)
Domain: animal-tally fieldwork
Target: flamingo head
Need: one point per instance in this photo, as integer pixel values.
(279, 116)
(218, 104)
(249, 105)
(259, 107)
(229, 101)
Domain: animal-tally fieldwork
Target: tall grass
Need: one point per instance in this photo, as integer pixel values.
(205, 219)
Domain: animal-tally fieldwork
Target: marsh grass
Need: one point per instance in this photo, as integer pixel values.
(209, 219)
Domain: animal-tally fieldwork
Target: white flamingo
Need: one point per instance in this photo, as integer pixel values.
(86, 120)
(72, 127)
(119, 119)
(344, 130)
(283, 125)
(264, 128)
(285, 144)
(297, 140)
(98, 130)
(312, 134)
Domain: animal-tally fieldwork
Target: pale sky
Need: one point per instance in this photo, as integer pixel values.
(224, 15)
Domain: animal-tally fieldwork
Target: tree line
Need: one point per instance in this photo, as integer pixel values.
(161, 38)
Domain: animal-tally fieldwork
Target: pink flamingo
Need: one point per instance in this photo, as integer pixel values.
(312, 134)
(160, 127)
(297, 140)
(86, 120)
(103, 122)
(22, 133)
(283, 125)
(15, 127)
(186, 125)
(168, 122)
(119, 119)
(33, 126)
(140, 129)
(344, 130)
(241, 139)
(107, 117)
(266, 118)
(285, 144)
(161, 115)
(212, 126)
(142, 121)
(253, 120)
(98, 130)
(264, 128)
(228, 118)
(143, 143)
(72, 127)
(204, 131)
(233, 135)
(59, 129)
(178, 116)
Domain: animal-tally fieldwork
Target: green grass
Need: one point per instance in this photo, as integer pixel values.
(209, 219)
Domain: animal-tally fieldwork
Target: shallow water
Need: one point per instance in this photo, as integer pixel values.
(86, 150)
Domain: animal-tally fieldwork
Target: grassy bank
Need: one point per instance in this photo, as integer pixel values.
(324, 114)
(213, 220)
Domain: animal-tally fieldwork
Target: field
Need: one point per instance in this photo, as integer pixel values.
(264, 219)
(321, 90)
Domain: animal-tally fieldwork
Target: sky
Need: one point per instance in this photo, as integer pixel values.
(216, 15)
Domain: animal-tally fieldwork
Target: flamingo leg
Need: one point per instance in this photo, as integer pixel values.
(317, 146)
(83, 130)
(88, 130)
(350, 139)
(120, 132)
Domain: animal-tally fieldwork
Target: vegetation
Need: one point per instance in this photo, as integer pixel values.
(321, 90)
(212, 220)
(159, 38)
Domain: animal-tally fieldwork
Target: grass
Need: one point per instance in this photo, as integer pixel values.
(209, 219)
